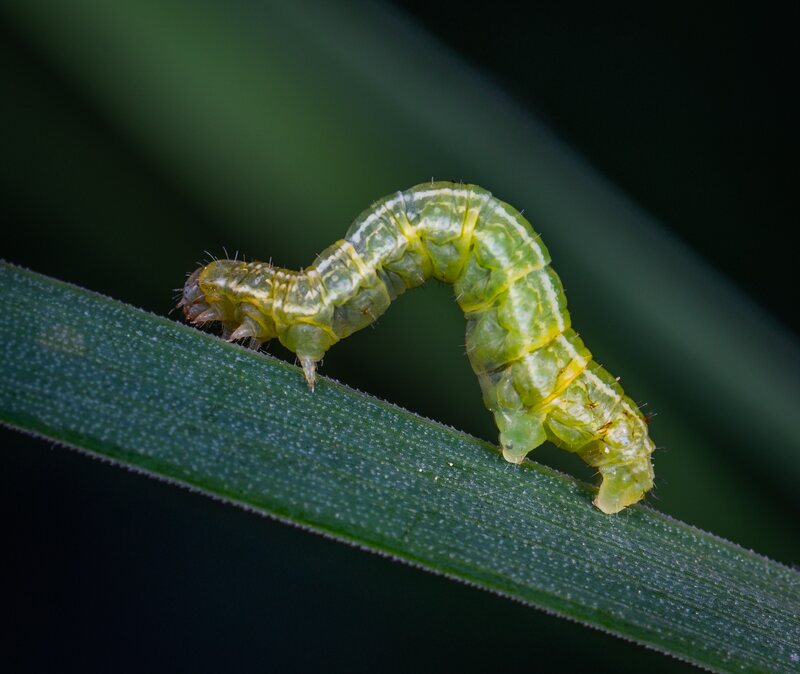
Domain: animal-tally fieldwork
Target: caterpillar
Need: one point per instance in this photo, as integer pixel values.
(537, 377)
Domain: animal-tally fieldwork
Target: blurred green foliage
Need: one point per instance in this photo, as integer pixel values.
(144, 133)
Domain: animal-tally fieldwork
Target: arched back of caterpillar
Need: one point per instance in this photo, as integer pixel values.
(537, 376)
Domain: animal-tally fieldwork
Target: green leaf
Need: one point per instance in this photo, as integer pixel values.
(172, 402)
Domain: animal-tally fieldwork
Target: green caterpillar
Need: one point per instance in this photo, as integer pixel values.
(537, 377)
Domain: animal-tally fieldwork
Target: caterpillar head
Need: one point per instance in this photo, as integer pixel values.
(624, 484)
(236, 294)
(259, 302)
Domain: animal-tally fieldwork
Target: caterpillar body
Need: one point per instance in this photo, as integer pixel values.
(537, 377)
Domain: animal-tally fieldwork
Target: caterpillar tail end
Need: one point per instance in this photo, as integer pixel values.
(309, 370)
(623, 486)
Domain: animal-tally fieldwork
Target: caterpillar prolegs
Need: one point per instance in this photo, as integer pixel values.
(537, 377)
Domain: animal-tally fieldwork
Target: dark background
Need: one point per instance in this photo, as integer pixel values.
(686, 109)
(689, 108)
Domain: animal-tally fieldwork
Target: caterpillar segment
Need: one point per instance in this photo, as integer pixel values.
(537, 377)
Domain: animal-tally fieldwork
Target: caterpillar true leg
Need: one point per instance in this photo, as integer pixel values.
(537, 376)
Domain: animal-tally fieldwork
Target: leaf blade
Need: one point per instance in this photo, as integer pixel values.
(129, 386)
